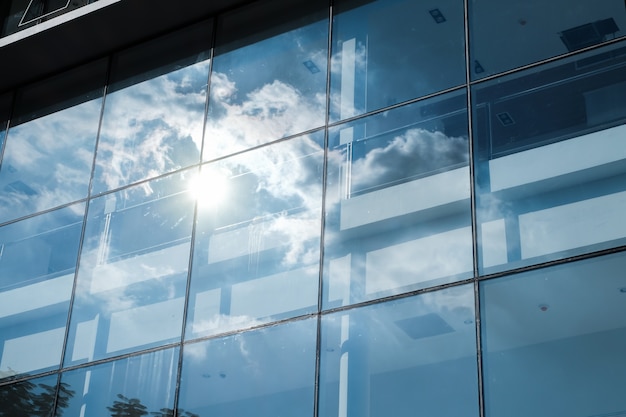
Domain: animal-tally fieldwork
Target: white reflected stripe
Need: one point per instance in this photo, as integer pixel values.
(565, 157)
(33, 352)
(32, 297)
(410, 197)
(574, 225)
(159, 263)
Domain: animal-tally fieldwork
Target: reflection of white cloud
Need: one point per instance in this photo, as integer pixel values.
(52, 156)
(273, 111)
(152, 127)
(415, 151)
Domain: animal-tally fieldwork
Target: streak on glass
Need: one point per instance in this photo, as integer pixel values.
(132, 387)
(133, 270)
(37, 263)
(389, 51)
(262, 373)
(414, 356)
(551, 161)
(154, 111)
(397, 205)
(271, 82)
(554, 340)
(256, 255)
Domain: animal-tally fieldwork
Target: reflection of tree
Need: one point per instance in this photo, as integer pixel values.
(127, 407)
(26, 399)
(168, 412)
(132, 407)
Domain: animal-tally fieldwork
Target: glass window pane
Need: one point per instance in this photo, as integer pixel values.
(133, 270)
(50, 143)
(510, 34)
(37, 263)
(397, 205)
(132, 387)
(414, 356)
(271, 82)
(551, 161)
(154, 110)
(32, 398)
(5, 109)
(389, 51)
(256, 255)
(554, 340)
(262, 373)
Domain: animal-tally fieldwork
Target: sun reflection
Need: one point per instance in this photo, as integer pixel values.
(210, 188)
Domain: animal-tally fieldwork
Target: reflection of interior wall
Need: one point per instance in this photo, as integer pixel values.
(585, 181)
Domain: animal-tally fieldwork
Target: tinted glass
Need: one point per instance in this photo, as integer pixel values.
(154, 111)
(37, 263)
(415, 356)
(510, 34)
(49, 146)
(269, 83)
(389, 51)
(5, 109)
(551, 161)
(256, 255)
(262, 373)
(133, 270)
(32, 398)
(132, 387)
(554, 340)
(397, 204)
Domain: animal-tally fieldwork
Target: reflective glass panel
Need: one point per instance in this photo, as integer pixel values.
(554, 340)
(414, 356)
(133, 270)
(32, 398)
(5, 109)
(37, 263)
(132, 387)
(271, 82)
(510, 34)
(397, 204)
(389, 51)
(49, 146)
(551, 160)
(256, 255)
(154, 110)
(262, 373)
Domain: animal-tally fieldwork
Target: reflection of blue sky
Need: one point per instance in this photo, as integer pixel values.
(149, 378)
(410, 350)
(265, 91)
(152, 127)
(133, 269)
(47, 161)
(386, 52)
(266, 372)
(398, 205)
(264, 236)
(556, 322)
(38, 256)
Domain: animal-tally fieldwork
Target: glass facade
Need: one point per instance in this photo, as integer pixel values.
(296, 208)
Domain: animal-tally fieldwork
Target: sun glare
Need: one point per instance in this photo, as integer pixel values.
(210, 188)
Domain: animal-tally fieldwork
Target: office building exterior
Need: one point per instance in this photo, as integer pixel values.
(312, 208)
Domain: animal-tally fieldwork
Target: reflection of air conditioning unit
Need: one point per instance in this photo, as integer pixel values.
(588, 34)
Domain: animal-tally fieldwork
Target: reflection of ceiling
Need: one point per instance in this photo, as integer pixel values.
(558, 303)
(508, 34)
